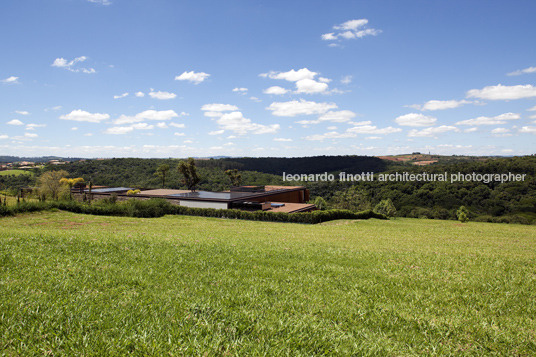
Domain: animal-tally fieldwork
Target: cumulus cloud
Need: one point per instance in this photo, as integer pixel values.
(439, 104)
(352, 29)
(193, 77)
(310, 86)
(216, 132)
(522, 71)
(32, 126)
(4, 136)
(177, 125)
(121, 96)
(160, 115)
(528, 129)
(139, 94)
(102, 2)
(179, 134)
(301, 107)
(10, 80)
(120, 130)
(340, 116)
(470, 130)
(16, 122)
(282, 139)
(501, 132)
(81, 115)
(162, 95)
(304, 79)
(218, 107)
(276, 90)
(353, 132)
(22, 112)
(500, 92)
(73, 65)
(496, 120)
(432, 131)
(241, 90)
(415, 119)
(235, 122)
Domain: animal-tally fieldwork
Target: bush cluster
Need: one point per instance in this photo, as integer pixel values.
(159, 207)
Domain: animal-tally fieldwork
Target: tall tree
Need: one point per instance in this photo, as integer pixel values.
(162, 172)
(49, 183)
(71, 182)
(189, 172)
(234, 176)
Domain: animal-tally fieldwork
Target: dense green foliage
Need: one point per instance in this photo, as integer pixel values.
(79, 285)
(491, 202)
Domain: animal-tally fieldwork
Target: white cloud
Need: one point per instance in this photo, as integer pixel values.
(119, 130)
(236, 122)
(415, 119)
(194, 77)
(282, 139)
(216, 132)
(522, 71)
(302, 107)
(56, 108)
(217, 107)
(340, 116)
(496, 120)
(179, 134)
(120, 96)
(500, 92)
(22, 112)
(72, 65)
(439, 104)
(102, 2)
(15, 122)
(292, 75)
(346, 80)
(139, 94)
(351, 29)
(4, 136)
(470, 130)
(142, 126)
(241, 90)
(310, 86)
(533, 109)
(74, 128)
(162, 125)
(151, 114)
(10, 80)
(324, 79)
(30, 135)
(276, 90)
(176, 125)
(162, 95)
(528, 129)
(501, 132)
(255, 99)
(372, 129)
(433, 131)
(33, 126)
(353, 132)
(81, 115)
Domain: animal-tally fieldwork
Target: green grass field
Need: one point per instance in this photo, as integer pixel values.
(181, 286)
(15, 172)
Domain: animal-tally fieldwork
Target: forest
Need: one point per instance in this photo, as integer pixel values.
(513, 202)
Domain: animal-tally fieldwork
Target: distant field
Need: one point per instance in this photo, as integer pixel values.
(104, 286)
(15, 172)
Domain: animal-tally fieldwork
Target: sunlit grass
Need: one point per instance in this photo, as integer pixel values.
(90, 285)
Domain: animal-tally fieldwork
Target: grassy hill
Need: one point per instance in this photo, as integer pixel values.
(91, 285)
(15, 172)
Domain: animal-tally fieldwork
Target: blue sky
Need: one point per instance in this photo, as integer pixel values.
(163, 78)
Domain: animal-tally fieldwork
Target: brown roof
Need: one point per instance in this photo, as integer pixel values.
(162, 192)
(292, 207)
(273, 188)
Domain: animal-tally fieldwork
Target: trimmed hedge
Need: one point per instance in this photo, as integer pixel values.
(160, 207)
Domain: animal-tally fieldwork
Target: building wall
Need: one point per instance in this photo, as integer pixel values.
(291, 197)
(203, 204)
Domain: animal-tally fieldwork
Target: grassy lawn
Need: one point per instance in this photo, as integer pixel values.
(15, 172)
(88, 285)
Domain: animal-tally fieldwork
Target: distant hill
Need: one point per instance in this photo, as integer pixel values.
(37, 159)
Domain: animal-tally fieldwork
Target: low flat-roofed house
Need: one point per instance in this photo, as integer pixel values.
(267, 198)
